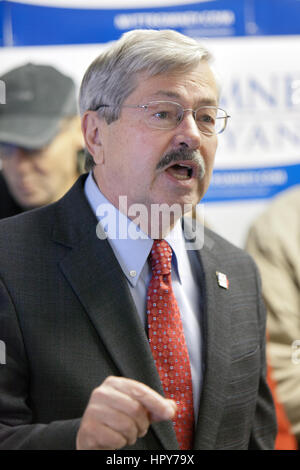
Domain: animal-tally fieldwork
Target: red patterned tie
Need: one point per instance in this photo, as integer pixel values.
(167, 342)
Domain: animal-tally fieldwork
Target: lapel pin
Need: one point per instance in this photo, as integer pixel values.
(222, 280)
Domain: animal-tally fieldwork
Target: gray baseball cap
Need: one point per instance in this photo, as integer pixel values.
(37, 98)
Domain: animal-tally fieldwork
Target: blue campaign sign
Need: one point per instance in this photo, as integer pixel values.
(25, 24)
(276, 17)
(32, 24)
(251, 183)
(1, 24)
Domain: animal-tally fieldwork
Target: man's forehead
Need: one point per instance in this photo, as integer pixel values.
(176, 87)
(208, 98)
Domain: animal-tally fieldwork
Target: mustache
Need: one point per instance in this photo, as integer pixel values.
(183, 154)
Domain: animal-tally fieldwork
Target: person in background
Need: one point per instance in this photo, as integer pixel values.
(151, 336)
(274, 243)
(40, 138)
(285, 438)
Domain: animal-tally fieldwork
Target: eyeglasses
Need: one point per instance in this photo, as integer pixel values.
(210, 120)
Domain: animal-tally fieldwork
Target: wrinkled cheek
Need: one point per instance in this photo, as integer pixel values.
(211, 148)
(209, 158)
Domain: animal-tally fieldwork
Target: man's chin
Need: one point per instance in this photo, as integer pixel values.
(30, 202)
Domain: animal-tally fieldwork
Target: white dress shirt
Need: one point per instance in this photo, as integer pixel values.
(132, 255)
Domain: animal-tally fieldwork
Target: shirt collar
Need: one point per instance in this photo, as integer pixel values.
(112, 219)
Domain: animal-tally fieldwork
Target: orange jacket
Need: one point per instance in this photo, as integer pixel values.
(285, 440)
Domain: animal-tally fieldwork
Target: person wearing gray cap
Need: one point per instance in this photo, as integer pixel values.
(40, 138)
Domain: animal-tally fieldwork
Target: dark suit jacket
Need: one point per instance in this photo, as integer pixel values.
(8, 206)
(68, 321)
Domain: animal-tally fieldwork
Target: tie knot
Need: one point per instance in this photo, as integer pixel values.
(161, 257)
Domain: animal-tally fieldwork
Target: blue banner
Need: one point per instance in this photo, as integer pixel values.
(276, 17)
(33, 25)
(2, 9)
(43, 25)
(251, 183)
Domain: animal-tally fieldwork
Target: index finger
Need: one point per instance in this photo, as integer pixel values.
(160, 408)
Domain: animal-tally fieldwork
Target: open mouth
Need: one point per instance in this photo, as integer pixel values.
(181, 171)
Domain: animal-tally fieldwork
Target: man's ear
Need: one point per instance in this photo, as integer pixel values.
(91, 130)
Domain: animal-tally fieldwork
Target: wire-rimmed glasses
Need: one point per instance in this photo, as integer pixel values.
(211, 120)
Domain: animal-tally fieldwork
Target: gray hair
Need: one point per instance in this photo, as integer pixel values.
(112, 76)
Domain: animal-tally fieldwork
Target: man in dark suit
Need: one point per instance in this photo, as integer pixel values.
(106, 347)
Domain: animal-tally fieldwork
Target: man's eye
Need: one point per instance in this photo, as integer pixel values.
(206, 118)
(162, 114)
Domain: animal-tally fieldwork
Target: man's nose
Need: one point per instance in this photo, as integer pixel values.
(187, 132)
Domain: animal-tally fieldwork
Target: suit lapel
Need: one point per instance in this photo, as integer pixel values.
(216, 335)
(98, 281)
